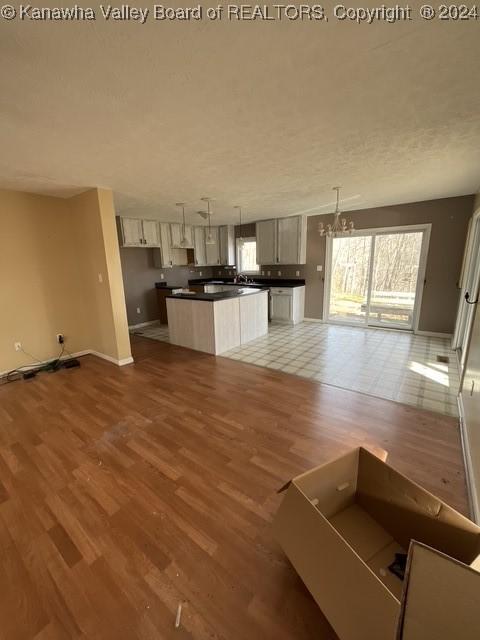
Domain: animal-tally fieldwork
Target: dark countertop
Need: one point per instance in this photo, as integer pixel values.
(256, 282)
(215, 297)
(168, 287)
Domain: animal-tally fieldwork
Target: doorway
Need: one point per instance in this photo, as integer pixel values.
(375, 277)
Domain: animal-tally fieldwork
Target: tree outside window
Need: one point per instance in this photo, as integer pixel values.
(247, 255)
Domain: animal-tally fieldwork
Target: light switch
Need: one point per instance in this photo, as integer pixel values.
(319, 267)
(100, 278)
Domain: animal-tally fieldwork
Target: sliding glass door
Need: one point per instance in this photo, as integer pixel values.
(350, 275)
(374, 278)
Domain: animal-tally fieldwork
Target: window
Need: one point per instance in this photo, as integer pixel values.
(247, 255)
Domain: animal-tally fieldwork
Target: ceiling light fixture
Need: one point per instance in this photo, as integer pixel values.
(340, 226)
(209, 239)
(237, 206)
(183, 241)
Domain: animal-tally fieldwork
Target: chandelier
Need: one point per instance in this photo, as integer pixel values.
(340, 226)
(207, 215)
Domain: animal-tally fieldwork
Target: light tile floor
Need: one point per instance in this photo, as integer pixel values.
(388, 364)
(156, 331)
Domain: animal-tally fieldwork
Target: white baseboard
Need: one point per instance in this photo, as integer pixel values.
(34, 365)
(119, 363)
(142, 324)
(313, 320)
(76, 354)
(473, 497)
(434, 334)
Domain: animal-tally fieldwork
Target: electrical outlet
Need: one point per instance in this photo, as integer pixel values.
(263, 273)
(279, 273)
(138, 310)
(18, 346)
(200, 273)
(162, 277)
(319, 267)
(297, 273)
(268, 273)
(100, 278)
(60, 338)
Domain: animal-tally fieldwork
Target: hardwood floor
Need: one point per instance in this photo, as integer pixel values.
(124, 491)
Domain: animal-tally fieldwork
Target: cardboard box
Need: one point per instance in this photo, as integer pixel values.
(341, 524)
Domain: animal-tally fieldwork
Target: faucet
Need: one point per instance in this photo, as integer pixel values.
(241, 277)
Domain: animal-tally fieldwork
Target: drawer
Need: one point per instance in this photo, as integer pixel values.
(276, 291)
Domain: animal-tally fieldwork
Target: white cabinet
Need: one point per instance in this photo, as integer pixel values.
(281, 307)
(227, 245)
(282, 241)
(266, 242)
(199, 246)
(163, 257)
(212, 248)
(132, 234)
(151, 233)
(288, 240)
(177, 236)
(287, 304)
(139, 233)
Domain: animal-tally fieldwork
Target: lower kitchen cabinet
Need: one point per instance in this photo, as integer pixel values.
(287, 304)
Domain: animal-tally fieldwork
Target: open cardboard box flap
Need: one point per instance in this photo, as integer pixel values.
(339, 522)
(441, 598)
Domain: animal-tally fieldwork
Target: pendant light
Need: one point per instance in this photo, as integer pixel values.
(209, 239)
(237, 206)
(340, 226)
(183, 241)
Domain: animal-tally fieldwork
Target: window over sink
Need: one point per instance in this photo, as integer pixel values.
(247, 255)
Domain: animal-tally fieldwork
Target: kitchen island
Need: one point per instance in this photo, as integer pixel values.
(217, 322)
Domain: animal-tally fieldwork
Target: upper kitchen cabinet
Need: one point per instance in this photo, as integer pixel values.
(164, 257)
(151, 233)
(282, 241)
(199, 246)
(139, 233)
(227, 245)
(131, 232)
(212, 247)
(177, 236)
(292, 240)
(266, 242)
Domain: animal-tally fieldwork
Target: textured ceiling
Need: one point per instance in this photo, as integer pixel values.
(269, 115)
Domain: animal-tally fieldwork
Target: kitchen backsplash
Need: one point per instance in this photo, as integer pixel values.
(267, 271)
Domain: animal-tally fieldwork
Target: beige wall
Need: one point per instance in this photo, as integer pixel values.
(51, 252)
(449, 218)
